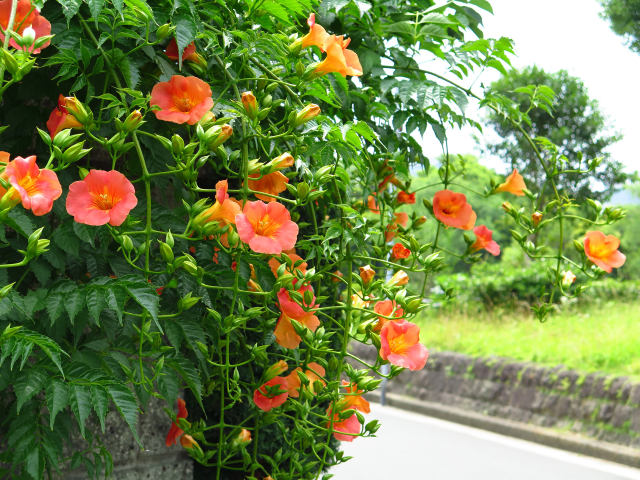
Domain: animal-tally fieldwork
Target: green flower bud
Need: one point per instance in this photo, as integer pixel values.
(164, 31)
(127, 243)
(166, 252)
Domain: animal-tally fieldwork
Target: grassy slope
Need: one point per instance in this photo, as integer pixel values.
(598, 338)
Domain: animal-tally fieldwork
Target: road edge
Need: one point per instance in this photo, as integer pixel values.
(551, 438)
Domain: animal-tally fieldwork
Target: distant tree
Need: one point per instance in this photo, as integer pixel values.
(624, 19)
(575, 124)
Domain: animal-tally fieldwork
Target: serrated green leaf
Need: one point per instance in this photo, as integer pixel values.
(70, 8)
(186, 30)
(189, 374)
(20, 222)
(126, 404)
(80, 399)
(34, 464)
(145, 296)
(95, 303)
(84, 232)
(27, 385)
(116, 298)
(100, 402)
(74, 302)
(193, 333)
(168, 386)
(95, 7)
(57, 395)
(55, 306)
(22, 350)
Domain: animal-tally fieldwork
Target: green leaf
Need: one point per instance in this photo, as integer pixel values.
(186, 30)
(126, 404)
(74, 302)
(12, 345)
(20, 222)
(95, 303)
(28, 385)
(57, 395)
(55, 306)
(146, 297)
(116, 298)
(118, 4)
(482, 4)
(193, 333)
(100, 402)
(168, 386)
(34, 464)
(70, 8)
(80, 404)
(84, 232)
(141, 6)
(189, 374)
(95, 7)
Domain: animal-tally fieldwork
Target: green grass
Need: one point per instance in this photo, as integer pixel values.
(603, 338)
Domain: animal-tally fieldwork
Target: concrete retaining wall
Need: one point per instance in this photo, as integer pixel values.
(599, 406)
(154, 461)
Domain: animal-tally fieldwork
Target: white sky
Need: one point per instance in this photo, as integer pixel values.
(569, 35)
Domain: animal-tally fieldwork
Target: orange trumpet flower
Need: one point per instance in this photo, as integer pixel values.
(452, 209)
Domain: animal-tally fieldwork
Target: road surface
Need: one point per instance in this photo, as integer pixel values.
(410, 446)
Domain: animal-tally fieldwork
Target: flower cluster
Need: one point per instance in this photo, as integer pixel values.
(339, 58)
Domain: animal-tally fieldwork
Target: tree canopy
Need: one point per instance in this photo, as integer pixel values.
(571, 120)
(624, 19)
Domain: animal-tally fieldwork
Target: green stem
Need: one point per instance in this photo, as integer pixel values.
(7, 35)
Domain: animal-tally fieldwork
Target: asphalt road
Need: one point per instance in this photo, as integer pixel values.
(410, 446)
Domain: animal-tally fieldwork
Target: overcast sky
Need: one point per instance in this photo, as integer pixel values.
(570, 35)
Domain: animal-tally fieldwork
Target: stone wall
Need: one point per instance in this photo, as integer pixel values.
(154, 461)
(603, 407)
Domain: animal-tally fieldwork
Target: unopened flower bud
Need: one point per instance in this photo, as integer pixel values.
(250, 104)
(303, 190)
(38, 248)
(276, 369)
(133, 121)
(507, 207)
(243, 438)
(413, 305)
(282, 161)
(207, 119)
(308, 297)
(217, 135)
(4, 291)
(568, 278)
(419, 221)
(366, 274)
(186, 302)
(177, 144)
(28, 37)
(309, 112)
(536, 217)
(399, 278)
(163, 31)
(78, 110)
(190, 267)
(169, 239)
(127, 243)
(166, 252)
(187, 441)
